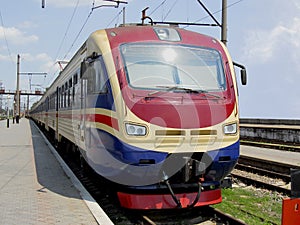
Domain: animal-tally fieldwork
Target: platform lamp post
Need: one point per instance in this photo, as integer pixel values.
(7, 111)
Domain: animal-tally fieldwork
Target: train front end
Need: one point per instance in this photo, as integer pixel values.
(175, 102)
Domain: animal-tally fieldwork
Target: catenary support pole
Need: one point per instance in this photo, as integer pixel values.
(224, 22)
(18, 89)
(124, 19)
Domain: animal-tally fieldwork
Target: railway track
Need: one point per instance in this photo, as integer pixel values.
(269, 175)
(206, 215)
(105, 197)
(261, 184)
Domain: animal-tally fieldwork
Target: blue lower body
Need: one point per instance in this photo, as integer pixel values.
(132, 166)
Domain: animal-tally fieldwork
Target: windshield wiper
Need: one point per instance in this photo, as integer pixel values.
(186, 90)
(210, 94)
(173, 88)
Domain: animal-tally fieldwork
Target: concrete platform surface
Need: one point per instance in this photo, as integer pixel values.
(34, 189)
(286, 157)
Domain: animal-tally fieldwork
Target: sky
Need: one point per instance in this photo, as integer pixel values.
(263, 36)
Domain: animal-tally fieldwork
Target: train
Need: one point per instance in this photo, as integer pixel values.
(152, 109)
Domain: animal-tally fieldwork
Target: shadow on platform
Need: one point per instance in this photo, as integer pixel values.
(50, 174)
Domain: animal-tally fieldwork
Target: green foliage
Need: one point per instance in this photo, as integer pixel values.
(254, 207)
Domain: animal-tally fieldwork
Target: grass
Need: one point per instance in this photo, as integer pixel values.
(254, 207)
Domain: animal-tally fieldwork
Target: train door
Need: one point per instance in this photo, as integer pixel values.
(93, 88)
(83, 105)
(47, 114)
(56, 112)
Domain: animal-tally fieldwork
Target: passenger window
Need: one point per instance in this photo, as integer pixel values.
(75, 79)
(65, 95)
(62, 97)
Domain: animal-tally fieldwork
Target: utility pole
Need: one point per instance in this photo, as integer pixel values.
(223, 26)
(224, 22)
(18, 89)
(124, 16)
(27, 109)
(18, 108)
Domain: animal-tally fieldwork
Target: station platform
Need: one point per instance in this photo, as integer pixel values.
(34, 187)
(275, 155)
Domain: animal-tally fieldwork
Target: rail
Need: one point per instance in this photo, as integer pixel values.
(266, 174)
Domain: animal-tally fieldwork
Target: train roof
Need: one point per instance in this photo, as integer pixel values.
(135, 33)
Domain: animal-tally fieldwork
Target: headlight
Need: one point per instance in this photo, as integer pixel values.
(135, 130)
(230, 128)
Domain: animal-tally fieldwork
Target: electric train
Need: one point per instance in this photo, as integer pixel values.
(152, 109)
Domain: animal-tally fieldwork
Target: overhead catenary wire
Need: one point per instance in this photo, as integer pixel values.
(164, 17)
(67, 29)
(170, 10)
(62, 41)
(84, 24)
(6, 42)
(24, 58)
(218, 11)
(115, 18)
(89, 15)
(81, 29)
(160, 5)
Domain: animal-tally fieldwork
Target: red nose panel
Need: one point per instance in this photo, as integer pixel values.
(185, 114)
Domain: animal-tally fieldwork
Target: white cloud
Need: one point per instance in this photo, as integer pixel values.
(27, 24)
(265, 45)
(16, 36)
(274, 38)
(38, 57)
(4, 58)
(42, 59)
(296, 3)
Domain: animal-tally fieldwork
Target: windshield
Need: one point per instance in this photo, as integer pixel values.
(156, 66)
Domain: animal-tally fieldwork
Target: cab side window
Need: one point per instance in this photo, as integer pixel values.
(97, 77)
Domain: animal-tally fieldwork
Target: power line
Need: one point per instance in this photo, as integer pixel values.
(89, 15)
(116, 17)
(170, 10)
(84, 24)
(77, 36)
(6, 42)
(67, 29)
(230, 5)
(209, 13)
(161, 4)
(63, 40)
